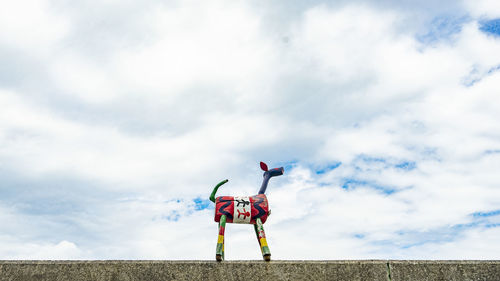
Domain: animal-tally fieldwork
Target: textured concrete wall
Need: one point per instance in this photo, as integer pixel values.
(445, 270)
(251, 270)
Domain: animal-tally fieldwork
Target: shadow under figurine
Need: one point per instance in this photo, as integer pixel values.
(244, 209)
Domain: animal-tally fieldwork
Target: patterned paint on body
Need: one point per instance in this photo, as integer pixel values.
(242, 209)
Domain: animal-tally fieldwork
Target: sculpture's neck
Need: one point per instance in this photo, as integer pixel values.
(263, 187)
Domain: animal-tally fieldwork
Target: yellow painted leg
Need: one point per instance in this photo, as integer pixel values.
(261, 237)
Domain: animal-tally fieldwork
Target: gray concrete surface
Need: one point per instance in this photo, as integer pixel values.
(369, 270)
(445, 270)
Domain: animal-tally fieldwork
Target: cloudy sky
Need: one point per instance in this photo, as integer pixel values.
(117, 118)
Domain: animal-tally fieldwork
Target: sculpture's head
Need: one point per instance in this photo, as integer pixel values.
(269, 174)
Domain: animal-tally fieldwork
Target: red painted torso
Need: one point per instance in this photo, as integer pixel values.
(242, 209)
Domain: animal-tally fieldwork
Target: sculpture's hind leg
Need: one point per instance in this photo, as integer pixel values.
(261, 237)
(219, 252)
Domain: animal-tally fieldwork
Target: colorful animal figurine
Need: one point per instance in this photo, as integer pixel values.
(244, 209)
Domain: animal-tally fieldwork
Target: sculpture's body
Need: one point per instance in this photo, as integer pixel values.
(244, 209)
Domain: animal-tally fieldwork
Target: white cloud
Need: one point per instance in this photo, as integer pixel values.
(27, 250)
(483, 8)
(477, 244)
(33, 26)
(152, 123)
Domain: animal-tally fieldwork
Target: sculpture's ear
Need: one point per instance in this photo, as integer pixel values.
(263, 166)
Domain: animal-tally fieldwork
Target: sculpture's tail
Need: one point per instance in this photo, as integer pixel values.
(212, 196)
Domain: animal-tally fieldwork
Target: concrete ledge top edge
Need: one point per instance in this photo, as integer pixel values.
(250, 261)
(191, 261)
(443, 261)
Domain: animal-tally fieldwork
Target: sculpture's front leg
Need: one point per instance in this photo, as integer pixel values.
(261, 237)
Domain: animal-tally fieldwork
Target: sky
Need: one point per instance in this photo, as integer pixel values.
(117, 118)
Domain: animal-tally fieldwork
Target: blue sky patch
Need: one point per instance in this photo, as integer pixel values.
(287, 165)
(370, 159)
(411, 238)
(328, 168)
(476, 75)
(359, 235)
(493, 69)
(486, 214)
(461, 226)
(492, 151)
(490, 27)
(173, 216)
(447, 234)
(385, 190)
(383, 163)
(407, 165)
(201, 204)
(442, 28)
(492, 225)
(351, 183)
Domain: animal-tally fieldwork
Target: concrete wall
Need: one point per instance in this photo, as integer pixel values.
(251, 270)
